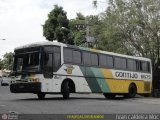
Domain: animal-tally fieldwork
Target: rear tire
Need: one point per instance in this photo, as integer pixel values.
(109, 95)
(65, 90)
(41, 96)
(132, 91)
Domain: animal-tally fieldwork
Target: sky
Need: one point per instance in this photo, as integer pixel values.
(21, 20)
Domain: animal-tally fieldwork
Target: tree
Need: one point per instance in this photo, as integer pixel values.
(1, 64)
(109, 38)
(82, 26)
(7, 61)
(94, 29)
(52, 29)
(78, 31)
(134, 26)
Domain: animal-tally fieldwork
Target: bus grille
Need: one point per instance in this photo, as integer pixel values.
(146, 86)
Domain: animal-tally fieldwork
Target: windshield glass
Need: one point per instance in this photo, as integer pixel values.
(28, 61)
(31, 59)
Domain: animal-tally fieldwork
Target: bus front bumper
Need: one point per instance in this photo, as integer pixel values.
(25, 87)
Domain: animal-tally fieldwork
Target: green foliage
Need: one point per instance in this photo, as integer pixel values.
(1, 64)
(80, 17)
(53, 27)
(109, 38)
(7, 61)
(132, 27)
(78, 33)
(94, 29)
(127, 26)
(88, 25)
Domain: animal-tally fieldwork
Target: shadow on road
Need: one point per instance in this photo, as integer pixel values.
(75, 98)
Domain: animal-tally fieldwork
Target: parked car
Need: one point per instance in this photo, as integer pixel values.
(5, 81)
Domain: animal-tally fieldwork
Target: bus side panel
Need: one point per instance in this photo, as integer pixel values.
(121, 85)
(100, 79)
(92, 79)
(72, 72)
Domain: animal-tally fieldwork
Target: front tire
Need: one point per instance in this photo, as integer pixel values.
(41, 96)
(65, 90)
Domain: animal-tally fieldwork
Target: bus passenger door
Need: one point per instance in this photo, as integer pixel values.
(48, 65)
(47, 72)
(56, 85)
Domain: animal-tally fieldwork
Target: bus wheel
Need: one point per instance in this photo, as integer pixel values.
(41, 96)
(65, 90)
(132, 91)
(109, 96)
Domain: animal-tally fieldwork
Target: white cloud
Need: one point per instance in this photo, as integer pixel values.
(21, 20)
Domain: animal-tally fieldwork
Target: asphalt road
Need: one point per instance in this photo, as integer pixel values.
(77, 104)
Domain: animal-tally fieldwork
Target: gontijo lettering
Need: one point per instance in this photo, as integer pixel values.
(126, 75)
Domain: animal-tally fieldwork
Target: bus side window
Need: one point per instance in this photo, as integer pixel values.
(132, 64)
(140, 65)
(102, 60)
(117, 62)
(145, 66)
(86, 58)
(149, 69)
(68, 58)
(109, 61)
(77, 59)
(94, 59)
(123, 63)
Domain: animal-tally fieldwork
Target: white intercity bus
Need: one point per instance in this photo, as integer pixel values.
(53, 67)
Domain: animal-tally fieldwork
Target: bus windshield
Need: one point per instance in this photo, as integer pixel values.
(27, 62)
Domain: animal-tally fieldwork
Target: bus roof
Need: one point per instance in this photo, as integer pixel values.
(36, 44)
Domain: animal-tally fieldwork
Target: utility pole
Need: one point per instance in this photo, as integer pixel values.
(90, 39)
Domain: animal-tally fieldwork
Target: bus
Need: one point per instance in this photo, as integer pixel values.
(56, 68)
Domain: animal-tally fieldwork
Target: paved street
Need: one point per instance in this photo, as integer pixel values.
(81, 103)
